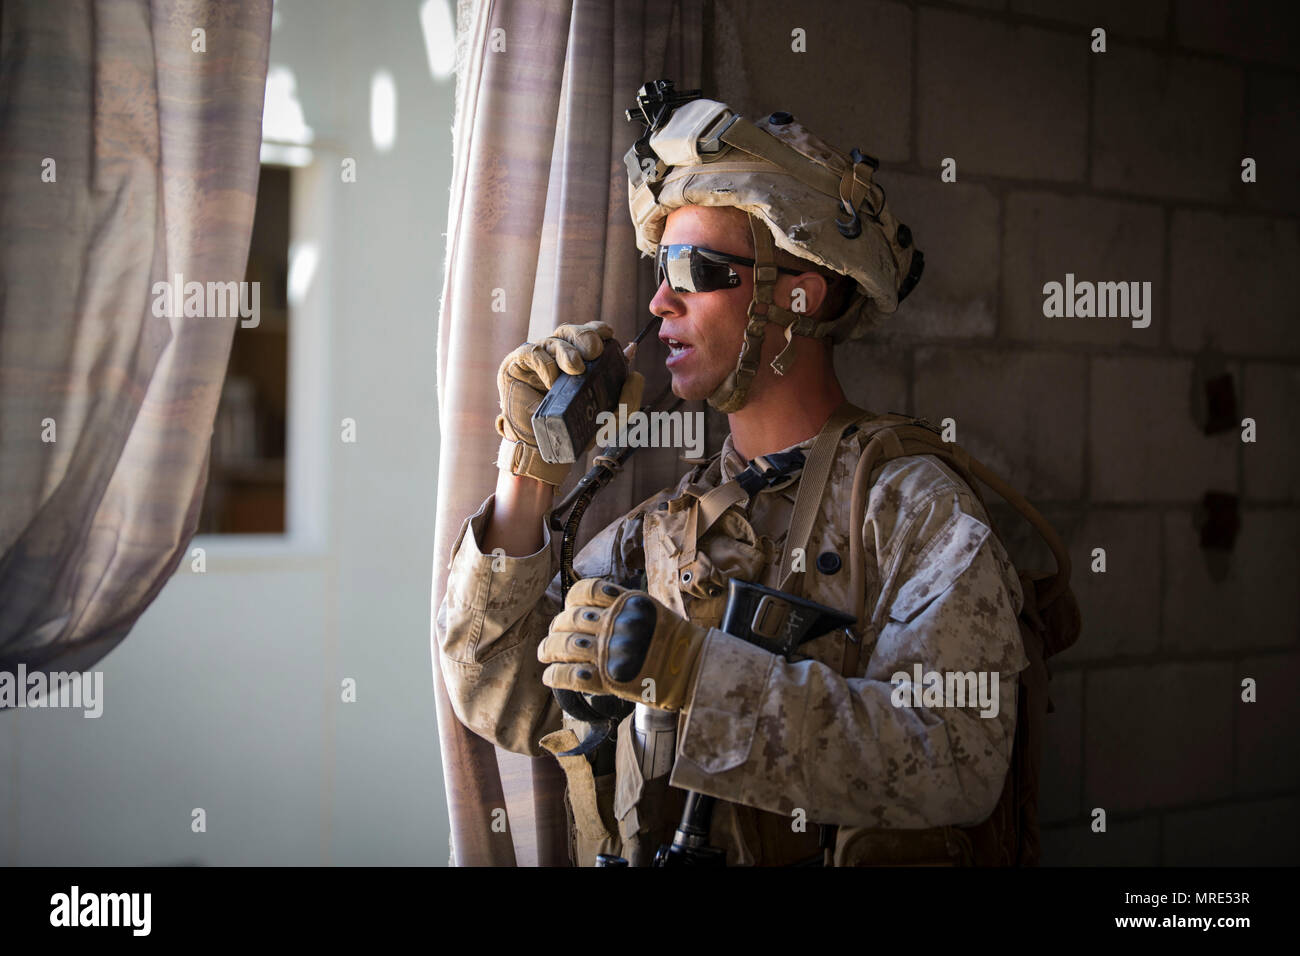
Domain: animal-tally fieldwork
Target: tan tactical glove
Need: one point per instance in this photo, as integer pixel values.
(525, 377)
(611, 640)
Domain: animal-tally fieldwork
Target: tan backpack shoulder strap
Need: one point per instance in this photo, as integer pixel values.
(812, 485)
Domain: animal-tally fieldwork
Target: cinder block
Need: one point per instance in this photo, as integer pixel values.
(1232, 283)
(1125, 843)
(1241, 600)
(10, 790)
(1146, 443)
(956, 226)
(1263, 833)
(1266, 729)
(1265, 30)
(1272, 140)
(1158, 736)
(1000, 99)
(1166, 125)
(1272, 397)
(872, 375)
(1146, 19)
(1120, 607)
(1021, 413)
(1062, 769)
(864, 46)
(1096, 240)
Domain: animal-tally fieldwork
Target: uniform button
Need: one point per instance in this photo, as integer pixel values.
(687, 577)
(779, 118)
(828, 562)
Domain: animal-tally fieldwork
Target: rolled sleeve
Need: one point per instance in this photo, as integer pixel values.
(494, 614)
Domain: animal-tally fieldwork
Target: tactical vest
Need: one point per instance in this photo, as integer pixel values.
(696, 540)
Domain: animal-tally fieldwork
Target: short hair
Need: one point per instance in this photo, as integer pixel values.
(839, 295)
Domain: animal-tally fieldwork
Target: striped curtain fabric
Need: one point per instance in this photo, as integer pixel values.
(538, 221)
(129, 138)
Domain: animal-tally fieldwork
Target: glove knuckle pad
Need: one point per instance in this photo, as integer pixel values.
(629, 641)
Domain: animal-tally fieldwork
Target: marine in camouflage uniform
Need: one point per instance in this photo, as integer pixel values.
(783, 744)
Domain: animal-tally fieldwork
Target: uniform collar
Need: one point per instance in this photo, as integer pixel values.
(733, 464)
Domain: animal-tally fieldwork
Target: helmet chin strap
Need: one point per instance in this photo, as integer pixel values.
(733, 393)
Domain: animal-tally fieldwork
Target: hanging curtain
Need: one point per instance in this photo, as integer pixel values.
(539, 212)
(129, 156)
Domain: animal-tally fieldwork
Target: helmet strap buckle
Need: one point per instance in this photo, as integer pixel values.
(781, 363)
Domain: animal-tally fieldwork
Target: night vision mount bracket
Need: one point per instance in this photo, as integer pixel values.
(680, 129)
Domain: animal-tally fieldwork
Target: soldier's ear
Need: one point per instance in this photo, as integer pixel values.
(807, 292)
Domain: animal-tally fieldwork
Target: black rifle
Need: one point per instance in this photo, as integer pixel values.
(775, 621)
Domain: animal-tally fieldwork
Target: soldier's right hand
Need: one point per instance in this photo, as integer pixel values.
(523, 380)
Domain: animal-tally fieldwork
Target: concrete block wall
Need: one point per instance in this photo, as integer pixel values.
(1123, 165)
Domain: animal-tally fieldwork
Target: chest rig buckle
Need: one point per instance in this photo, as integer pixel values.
(767, 471)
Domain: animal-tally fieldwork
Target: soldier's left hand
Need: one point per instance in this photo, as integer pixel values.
(612, 640)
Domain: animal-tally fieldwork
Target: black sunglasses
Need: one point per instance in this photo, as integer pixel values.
(691, 268)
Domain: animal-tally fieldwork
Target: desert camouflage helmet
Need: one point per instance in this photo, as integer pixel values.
(803, 197)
